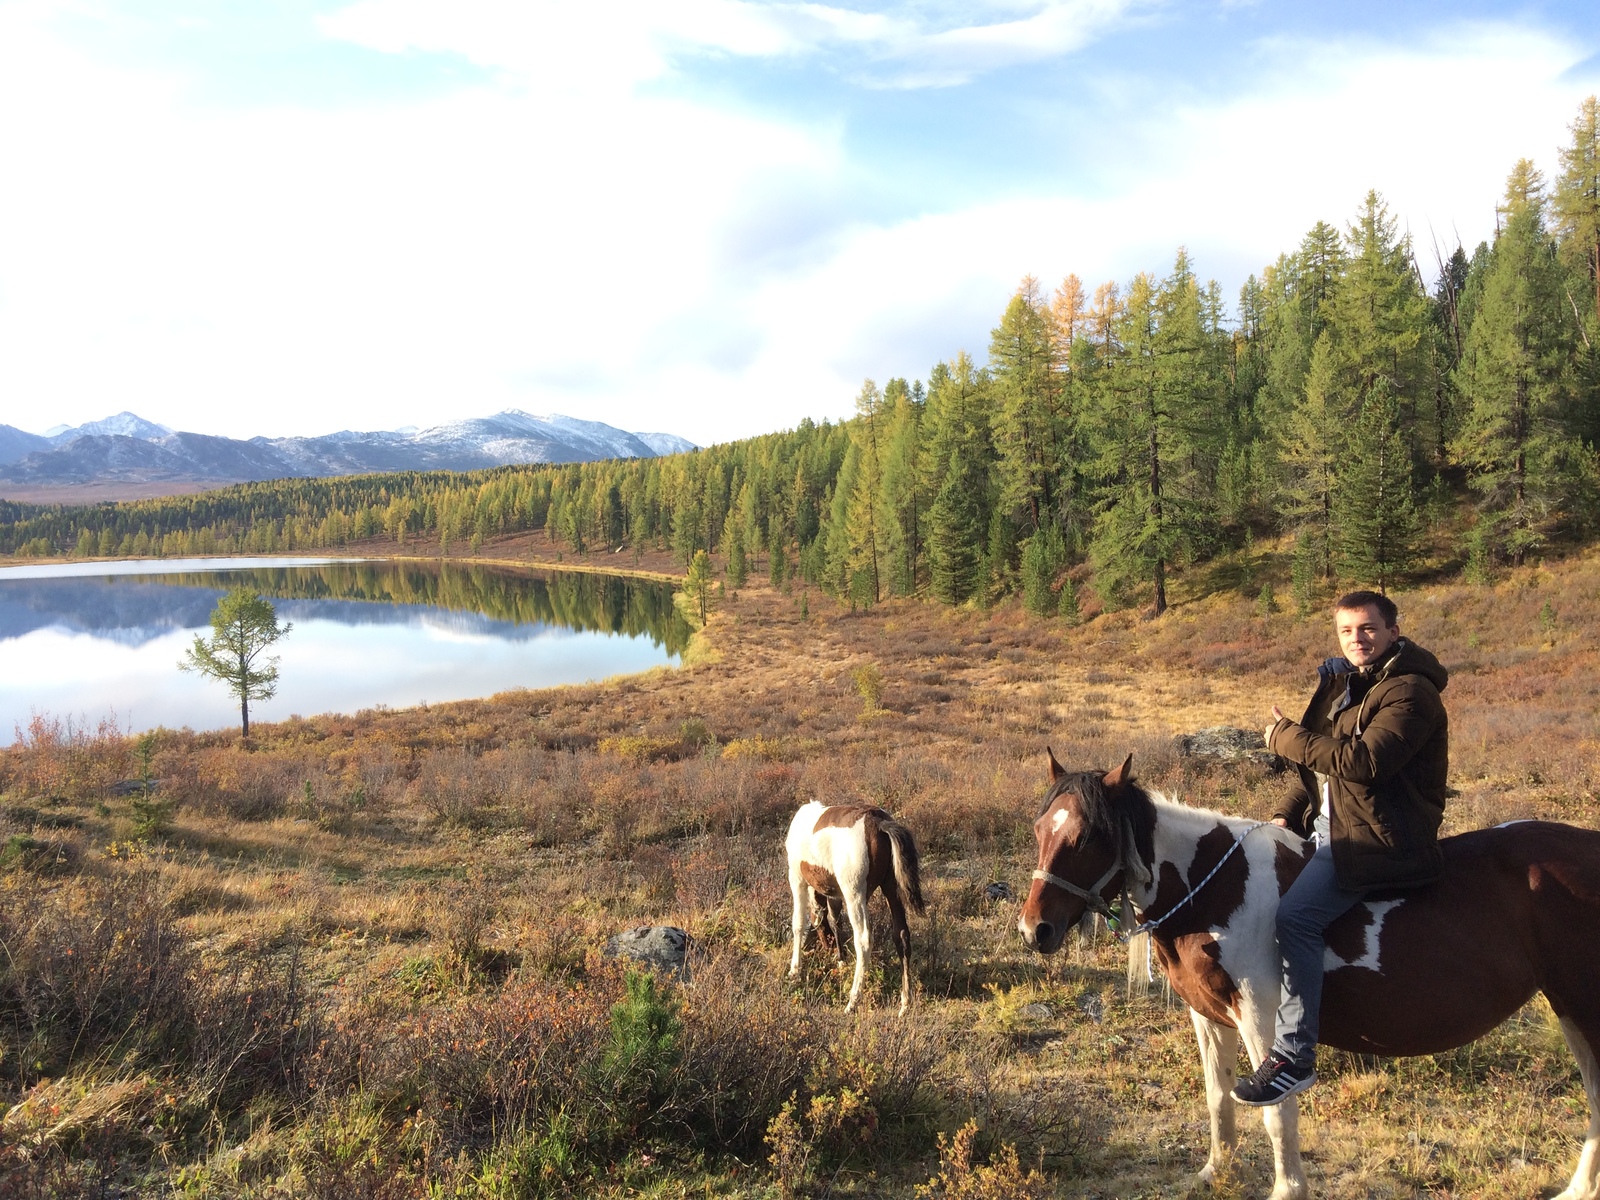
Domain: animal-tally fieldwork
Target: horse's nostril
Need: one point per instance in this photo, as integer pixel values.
(1042, 932)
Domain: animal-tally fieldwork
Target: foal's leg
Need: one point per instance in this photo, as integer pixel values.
(856, 906)
(1219, 1055)
(1283, 1119)
(836, 915)
(902, 938)
(1584, 1040)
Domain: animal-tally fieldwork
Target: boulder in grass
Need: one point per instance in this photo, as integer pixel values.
(662, 948)
(1226, 743)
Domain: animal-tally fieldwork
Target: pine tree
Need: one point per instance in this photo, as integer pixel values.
(738, 567)
(1514, 376)
(904, 503)
(953, 535)
(1375, 504)
(1310, 445)
(1042, 557)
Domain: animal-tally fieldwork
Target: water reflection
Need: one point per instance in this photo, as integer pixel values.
(366, 633)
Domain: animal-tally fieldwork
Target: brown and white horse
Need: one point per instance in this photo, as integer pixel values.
(1408, 972)
(839, 854)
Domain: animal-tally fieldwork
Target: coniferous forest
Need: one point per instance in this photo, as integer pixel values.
(1380, 423)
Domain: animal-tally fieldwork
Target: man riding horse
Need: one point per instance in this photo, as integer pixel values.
(1372, 752)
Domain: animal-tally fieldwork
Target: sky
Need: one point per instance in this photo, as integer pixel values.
(706, 217)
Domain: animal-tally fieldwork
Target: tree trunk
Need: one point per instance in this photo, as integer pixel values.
(244, 716)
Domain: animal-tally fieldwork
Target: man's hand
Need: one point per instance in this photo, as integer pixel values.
(1266, 735)
(1280, 822)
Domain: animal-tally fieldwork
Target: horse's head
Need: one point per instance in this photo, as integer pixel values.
(1081, 831)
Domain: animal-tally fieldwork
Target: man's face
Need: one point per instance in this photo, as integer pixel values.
(1363, 636)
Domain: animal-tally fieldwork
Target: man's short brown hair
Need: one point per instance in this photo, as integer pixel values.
(1352, 601)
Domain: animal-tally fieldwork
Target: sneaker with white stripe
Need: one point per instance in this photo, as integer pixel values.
(1274, 1081)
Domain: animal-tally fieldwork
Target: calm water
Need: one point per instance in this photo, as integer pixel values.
(91, 640)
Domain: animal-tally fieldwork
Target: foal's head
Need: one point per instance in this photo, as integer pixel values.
(1080, 834)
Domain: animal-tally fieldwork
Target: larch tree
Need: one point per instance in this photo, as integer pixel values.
(244, 626)
(1576, 206)
(1025, 415)
(863, 515)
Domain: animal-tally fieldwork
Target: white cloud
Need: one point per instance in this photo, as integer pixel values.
(563, 239)
(552, 42)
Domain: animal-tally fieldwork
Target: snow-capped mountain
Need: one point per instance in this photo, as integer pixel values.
(127, 448)
(124, 424)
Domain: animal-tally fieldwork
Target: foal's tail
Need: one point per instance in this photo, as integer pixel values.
(907, 866)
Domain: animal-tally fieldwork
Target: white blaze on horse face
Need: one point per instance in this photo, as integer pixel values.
(1370, 950)
(1057, 821)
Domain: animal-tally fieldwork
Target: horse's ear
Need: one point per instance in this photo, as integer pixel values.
(1115, 779)
(1057, 771)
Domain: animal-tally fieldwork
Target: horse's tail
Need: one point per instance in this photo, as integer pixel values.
(907, 866)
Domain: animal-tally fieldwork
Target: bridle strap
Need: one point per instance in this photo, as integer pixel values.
(1090, 896)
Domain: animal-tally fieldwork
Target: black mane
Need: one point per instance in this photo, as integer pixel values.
(1103, 812)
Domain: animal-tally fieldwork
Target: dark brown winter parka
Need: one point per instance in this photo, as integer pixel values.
(1382, 740)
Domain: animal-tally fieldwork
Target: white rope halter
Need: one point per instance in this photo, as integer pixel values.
(1091, 896)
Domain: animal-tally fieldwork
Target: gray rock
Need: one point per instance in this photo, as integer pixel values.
(663, 948)
(1093, 1007)
(1225, 743)
(998, 891)
(1038, 1012)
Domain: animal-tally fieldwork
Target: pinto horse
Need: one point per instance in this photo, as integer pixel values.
(841, 854)
(1415, 971)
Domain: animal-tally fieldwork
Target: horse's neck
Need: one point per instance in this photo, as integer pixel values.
(1175, 835)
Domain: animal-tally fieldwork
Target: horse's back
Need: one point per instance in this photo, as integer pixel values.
(1417, 971)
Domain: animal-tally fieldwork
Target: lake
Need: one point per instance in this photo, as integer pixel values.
(87, 641)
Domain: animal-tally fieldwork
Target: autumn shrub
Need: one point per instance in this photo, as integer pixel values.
(64, 760)
(960, 1178)
(93, 966)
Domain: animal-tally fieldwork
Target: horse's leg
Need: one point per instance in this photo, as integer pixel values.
(1584, 1040)
(856, 906)
(802, 901)
(1282, 1120)
(902, 939)
(1219, 1054)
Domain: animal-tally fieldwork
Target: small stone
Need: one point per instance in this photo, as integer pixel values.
(1094, 1007)
(998, 891)
(1038, 1012)
(663, 948)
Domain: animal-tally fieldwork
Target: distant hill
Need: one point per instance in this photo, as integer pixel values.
(127, 449)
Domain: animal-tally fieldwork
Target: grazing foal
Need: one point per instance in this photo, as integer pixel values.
(1415, 971)
(841, 853)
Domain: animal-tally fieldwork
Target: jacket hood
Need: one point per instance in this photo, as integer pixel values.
(1412, 659)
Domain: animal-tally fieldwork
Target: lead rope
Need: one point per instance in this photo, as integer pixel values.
(1147, 926)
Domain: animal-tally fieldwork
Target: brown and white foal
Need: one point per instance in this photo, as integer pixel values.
(1408, 972)
(841, 854)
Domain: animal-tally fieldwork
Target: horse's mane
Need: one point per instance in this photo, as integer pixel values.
(1103, 815)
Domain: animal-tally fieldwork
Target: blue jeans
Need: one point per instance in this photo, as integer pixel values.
(1312, 903)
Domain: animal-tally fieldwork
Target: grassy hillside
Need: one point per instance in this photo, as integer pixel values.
(363, 958)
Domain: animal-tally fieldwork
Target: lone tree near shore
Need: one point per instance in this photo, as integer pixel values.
(243, 626)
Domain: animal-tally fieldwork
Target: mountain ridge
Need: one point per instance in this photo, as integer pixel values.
(126, 448)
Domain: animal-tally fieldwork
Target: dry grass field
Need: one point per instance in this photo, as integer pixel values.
(362, 957)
